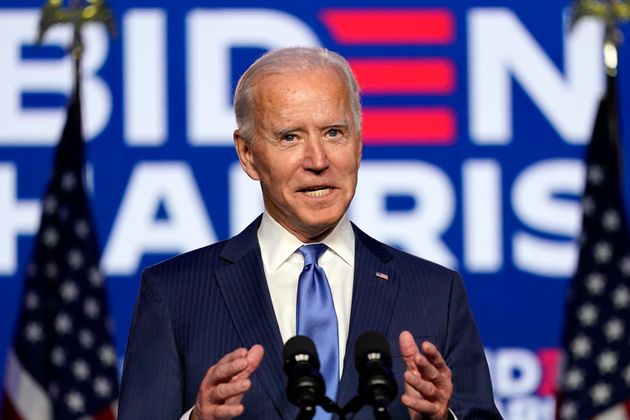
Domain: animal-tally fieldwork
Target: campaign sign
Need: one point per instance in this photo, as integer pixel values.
(475, 117)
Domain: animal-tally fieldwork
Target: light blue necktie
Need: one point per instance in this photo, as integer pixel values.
(316, 318)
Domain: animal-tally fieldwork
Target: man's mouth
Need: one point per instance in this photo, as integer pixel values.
(317, 191)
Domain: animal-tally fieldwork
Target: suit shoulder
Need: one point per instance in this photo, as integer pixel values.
(422, 263)
(397, 256)
(206, 254)
(190, 266)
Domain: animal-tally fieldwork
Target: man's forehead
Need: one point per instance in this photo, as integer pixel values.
(275, 82)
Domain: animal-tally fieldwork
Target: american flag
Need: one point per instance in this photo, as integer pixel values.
(596, 378)
(62, 364)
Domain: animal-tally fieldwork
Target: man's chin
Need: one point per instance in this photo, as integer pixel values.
(318, 230)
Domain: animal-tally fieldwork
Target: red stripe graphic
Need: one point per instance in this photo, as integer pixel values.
(409, 126)
(405, 76)
(390, 26)
(8, 411)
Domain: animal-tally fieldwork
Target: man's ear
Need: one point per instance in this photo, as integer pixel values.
(245, 155)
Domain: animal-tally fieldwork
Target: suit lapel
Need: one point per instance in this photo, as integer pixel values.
(247, 298)
(244, 289)
(375, 290)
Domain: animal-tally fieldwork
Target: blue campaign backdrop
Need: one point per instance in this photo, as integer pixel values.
(476, 117)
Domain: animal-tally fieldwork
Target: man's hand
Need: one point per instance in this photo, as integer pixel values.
(428, 380)
(225, 383)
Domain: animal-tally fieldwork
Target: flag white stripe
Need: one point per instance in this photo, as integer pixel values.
(26, 395)
(617, 412)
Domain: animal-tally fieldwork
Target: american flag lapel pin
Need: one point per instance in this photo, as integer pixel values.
(382, 276)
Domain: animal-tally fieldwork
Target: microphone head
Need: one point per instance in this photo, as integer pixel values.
(373, 359)
(372, 346)
(305, 385)
(300, 349)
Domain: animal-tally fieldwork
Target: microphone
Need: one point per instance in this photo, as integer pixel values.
(377, 386)
(305, 387)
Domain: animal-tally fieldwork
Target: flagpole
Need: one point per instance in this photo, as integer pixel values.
(594, 381)
(611, 12)
(54, 13)
(63, 363)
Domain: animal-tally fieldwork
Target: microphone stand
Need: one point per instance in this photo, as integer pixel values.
(354, 405)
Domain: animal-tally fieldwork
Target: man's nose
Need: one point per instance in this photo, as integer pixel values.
(315, 155)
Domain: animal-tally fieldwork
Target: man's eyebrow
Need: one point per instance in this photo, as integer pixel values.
(284, 131)
(338, 124)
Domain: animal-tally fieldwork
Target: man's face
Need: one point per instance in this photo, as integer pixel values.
(305, 151)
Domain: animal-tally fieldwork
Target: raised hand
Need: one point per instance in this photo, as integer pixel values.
(428, 380)
(222, 388)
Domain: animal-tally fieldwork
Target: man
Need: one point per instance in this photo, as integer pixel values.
(209, 325)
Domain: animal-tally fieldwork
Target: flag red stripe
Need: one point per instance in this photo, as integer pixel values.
(420, 125)
(405, 76)
(387, 26)
(105, 414)
(8, 411)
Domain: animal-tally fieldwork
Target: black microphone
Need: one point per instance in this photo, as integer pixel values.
(305, 387)
(373, 357)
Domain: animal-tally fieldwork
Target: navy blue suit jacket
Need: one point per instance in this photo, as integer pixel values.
(195, 308)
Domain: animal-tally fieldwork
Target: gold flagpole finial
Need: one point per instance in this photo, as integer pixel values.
(612, 12)
(76, 14)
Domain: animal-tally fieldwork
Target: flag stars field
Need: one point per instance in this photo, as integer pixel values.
(91, 308)
(107, 355)
(80, 370)
(602, 252)
(595, 336)
(624, 266)
(75, 402)
(51, 237)
(588, 205)
(82, 228)
(595, 283)
(611, 220)
(614, 329)
(568, 411)
(621, 297)
(50, 205)
(581, 347)
(75, 259)
(31, 301)
(68, 181)
(600, 393)
(51, 270)
(69, 291)
(34, 332)
(588, 314)
(607, 361)
(86, 338)
(596, 174)
(95, 277)
(102, 387)
(574, 379)
(58, 356)
(63, 324)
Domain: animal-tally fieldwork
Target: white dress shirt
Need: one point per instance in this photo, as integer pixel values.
(283, 264)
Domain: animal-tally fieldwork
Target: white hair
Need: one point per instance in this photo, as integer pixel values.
(291, 60)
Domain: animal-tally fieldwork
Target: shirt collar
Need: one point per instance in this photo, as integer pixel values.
(277, 244)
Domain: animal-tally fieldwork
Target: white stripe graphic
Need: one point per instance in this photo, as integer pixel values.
(27, 396)
(616, 412)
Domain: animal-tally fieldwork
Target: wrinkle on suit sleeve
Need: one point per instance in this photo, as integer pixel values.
(152, 377)
(464, 355)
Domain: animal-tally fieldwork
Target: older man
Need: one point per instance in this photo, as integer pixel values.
(209, 325)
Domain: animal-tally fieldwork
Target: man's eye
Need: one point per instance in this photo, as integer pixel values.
(290, 137)
(333, 132)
